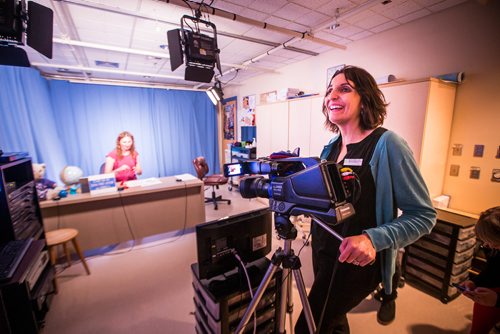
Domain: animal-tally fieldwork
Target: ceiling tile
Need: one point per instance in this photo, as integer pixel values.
(346, 30)
(445, 4)
(415, 15)
(312, 4)
(313, 19)
(327, 35)
(361, 35)
(385, 26)
(401, 9)
(330, 7)
(268, 35)
(370, 20)
(268, 6)
(291, 12)
(254, 14)
(229, 7)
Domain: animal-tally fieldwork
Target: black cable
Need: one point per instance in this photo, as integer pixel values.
(234, 77)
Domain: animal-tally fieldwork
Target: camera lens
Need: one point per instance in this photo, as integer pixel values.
(254, 186)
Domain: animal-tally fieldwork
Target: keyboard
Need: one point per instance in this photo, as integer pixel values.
(11, 254)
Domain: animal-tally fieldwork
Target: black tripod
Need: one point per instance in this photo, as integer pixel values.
(290, 262)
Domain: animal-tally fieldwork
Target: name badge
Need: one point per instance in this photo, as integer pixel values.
(353, 162)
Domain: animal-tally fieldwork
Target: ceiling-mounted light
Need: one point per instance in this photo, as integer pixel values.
(215, 93)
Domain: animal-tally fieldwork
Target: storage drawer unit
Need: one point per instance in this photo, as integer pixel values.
(220, 302)
(443, 257)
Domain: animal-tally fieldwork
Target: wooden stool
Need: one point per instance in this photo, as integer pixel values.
(62, 237)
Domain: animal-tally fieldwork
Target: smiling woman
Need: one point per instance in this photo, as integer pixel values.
(354, 110)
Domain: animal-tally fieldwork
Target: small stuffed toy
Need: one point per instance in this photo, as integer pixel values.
(45, 188)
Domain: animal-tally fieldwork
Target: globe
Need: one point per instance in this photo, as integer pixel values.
(71, 175)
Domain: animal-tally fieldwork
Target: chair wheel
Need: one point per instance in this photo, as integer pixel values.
(230, 188)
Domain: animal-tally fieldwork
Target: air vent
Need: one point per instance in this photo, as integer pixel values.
(109, 64)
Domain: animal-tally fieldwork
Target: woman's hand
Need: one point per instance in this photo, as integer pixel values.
(138, 170)
(122, 168)
(357, 250)
(483, 296)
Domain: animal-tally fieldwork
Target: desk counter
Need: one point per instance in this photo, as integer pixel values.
(133, 213)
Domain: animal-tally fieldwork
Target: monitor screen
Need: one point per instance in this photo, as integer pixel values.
(248, 133)
(249, 235)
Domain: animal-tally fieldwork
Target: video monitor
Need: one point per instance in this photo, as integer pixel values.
(249, 235)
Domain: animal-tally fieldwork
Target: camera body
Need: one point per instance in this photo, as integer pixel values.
(297, 186)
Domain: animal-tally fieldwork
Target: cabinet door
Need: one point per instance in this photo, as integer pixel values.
(272, 128)
(299, 122)
(406, 112)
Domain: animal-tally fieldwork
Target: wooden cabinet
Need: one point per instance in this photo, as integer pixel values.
(290, 124)
(421, 112)
(272, 128)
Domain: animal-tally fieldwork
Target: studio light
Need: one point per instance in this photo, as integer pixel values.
(215, 93)
(198, 51)
(18, 25)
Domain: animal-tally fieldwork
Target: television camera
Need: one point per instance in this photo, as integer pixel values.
(299, 186)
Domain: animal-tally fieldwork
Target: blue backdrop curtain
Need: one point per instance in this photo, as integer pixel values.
(62, 123)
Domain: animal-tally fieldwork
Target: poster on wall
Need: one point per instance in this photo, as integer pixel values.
(246, 115)
(229, 106)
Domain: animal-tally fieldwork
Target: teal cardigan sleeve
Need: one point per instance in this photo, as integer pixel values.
(399, 185)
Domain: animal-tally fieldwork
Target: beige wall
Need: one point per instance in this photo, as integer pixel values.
(463, 38)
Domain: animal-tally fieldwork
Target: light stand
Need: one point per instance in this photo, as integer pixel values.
(290, 262)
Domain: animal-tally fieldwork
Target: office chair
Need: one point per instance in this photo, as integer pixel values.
(214, 180)
(101, 169)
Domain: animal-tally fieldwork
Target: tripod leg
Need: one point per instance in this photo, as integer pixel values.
(257, 297)
(284, 299)
(301, 287)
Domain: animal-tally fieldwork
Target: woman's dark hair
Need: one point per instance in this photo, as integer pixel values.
(373, 105)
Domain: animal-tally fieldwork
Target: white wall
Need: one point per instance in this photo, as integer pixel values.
(462, 38)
